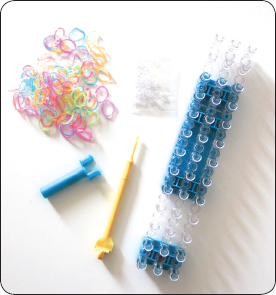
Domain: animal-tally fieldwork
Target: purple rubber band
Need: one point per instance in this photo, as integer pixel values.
(103, 104)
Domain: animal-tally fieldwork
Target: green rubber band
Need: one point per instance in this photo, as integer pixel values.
(46, 129)
(97, 118)
(92, 40)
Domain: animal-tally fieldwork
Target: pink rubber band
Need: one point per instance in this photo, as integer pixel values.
(45, 57)
(54, 42)
(89, 90)
(70, 57)
(16, 102)
(47, 79)
(107, 93)
(80, 125)
(74, 122)
(27, 69)
(65, 135)
(67, 40)
(30, 110)
(57, 34)
(23, 102)
(86, 63)
(80, 132)
(47, 126)
(88, 71)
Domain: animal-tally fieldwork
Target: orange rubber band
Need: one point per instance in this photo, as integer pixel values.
(107, 73)
(100, 53)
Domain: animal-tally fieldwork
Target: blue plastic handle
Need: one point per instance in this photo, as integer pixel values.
(70, 178)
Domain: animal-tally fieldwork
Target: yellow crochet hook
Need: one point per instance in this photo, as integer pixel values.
(105, 244)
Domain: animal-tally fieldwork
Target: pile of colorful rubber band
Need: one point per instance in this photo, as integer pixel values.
(67, 92)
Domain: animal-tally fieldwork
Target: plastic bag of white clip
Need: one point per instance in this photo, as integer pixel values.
(157, 85)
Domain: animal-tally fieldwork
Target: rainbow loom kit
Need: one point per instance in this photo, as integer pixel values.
(68, 92)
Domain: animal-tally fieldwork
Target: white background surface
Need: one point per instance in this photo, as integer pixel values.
(48, 244)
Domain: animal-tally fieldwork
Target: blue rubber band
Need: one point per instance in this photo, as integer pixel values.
(26, 89)
(90, 84)
(73, 31)
(50, 109)
(64, 134)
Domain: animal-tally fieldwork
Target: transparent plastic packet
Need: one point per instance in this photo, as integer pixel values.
(157, 85)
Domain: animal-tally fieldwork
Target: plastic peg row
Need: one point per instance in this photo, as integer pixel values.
(194, 158)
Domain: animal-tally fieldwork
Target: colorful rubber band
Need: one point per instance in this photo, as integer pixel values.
(84, 134)
(45, 127)
(92, 37)
(95, 119)
(103, 106)
(74, 31)
(63, 45)
(30, 110)
(51, 43)
(82, 52)
(48, 112)
(64, 134)
(92, 78)
(54, 93)
(107, 73)
(57, 36)
(98, 94)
